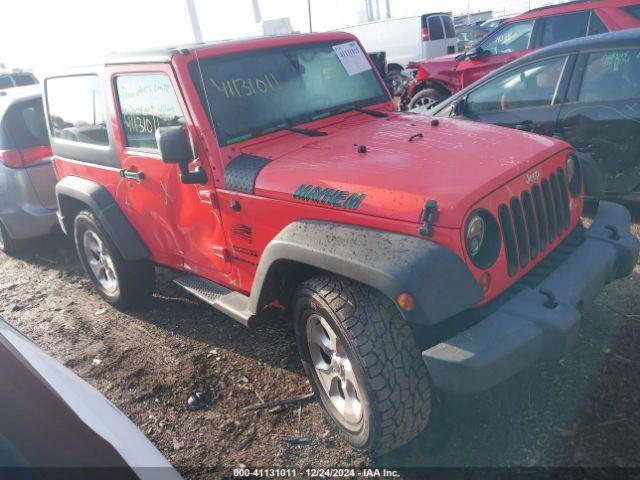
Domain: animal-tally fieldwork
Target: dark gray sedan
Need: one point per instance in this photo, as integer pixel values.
(585, 91)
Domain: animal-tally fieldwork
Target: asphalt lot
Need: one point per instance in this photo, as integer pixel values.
(583, 410)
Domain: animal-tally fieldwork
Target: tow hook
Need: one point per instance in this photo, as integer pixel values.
(428, 217)
(614, 235)
(551, 301)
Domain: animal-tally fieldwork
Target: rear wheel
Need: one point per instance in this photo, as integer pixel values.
(121, 283)
(362, 362)
(7, 244)
(427, 97)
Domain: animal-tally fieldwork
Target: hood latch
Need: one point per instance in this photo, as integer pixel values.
(428, 217)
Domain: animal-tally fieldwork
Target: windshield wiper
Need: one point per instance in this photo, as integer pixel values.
(373, 113)
(306, 131)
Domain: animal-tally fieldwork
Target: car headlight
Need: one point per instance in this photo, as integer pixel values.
(475, 234)
(574, 175)
(482, 238)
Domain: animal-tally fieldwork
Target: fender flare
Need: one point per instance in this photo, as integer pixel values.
(72, 192)
(592, 179)
(392, 263)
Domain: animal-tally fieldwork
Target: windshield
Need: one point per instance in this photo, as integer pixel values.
(253, 93)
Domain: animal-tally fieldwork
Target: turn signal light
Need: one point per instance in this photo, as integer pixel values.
(485, 282)
(406, 302)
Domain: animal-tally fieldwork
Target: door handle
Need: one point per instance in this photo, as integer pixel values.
(137, 176)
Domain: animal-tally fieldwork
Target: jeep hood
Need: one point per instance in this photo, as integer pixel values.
(407, 162)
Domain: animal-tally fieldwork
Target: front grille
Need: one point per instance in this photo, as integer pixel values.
(533, 221)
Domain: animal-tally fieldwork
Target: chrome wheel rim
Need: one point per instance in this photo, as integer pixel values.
(334, 370)
(100, 262)
(424, 102)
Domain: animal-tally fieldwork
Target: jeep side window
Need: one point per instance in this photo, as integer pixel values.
(76, 109)
(147, 102)
(611, 76)
(533, 85)
(511, 38)
(559, 28)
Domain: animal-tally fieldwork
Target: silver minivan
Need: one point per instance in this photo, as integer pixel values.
(27, 180)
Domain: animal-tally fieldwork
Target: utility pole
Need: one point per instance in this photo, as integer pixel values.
(388, 8)
(309, 6)
(377, 9)
(257, 16)
(193, 18)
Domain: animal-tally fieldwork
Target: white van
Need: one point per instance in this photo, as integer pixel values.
(408, 39)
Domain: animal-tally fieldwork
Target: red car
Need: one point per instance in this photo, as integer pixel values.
(438, 78)
(275, 172)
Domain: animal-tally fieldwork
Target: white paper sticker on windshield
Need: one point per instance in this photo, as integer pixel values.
(352, 57)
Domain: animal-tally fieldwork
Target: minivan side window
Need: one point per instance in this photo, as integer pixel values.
(532, 85)
(147, 102)
(76, 109)
(559, 28)
(512, 37)
(611, 76)
(436, 32)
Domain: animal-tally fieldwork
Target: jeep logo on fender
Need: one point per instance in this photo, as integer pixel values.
(329, 196)
(532, 177)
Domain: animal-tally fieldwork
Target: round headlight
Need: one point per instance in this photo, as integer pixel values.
(482, 238)
(475, 234)
(574, 175)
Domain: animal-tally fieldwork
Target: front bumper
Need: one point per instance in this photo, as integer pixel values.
(524, 329)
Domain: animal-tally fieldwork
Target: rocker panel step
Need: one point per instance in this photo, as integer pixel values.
(219, 297)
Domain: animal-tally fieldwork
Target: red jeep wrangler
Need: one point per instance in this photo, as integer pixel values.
(438, 78)
(275, 172)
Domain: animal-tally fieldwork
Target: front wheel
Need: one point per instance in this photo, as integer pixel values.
(362, 362)
(119, 282)
(427, 97)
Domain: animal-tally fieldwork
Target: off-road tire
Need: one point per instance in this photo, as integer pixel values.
(136, 280)
(424, 96)
(8, 245)
(382, 352)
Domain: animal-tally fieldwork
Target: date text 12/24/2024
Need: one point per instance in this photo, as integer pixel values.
(314, 473)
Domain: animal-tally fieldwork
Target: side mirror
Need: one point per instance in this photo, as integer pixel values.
(175, 147)
(475, 53)
(458, 107)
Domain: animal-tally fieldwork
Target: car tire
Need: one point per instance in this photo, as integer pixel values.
(371, 362)
(8, 245)
(119, 282)
(426, 97)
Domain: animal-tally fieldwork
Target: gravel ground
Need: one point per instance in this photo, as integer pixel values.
(582, 410)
